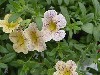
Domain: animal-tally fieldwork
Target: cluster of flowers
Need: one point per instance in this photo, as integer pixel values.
(32, 39)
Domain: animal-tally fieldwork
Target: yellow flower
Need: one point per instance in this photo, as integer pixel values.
(21, 44)
(68, 68)
(9, 27)
(36, 37)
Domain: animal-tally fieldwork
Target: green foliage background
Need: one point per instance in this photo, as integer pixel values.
(81, 43)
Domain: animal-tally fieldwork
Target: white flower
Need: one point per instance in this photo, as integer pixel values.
(52, 23)
(9, 27)
(20, 42)
(35, 36)
(68, 68)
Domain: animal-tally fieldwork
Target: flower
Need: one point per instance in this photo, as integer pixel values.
(52, 23)
(36, 37)
(21, 43)
(9, 27)
(68, 68)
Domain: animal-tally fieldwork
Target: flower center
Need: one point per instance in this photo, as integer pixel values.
(20, 38)
(11, 25)
(52, 26)
(67, 72)
(34, 37)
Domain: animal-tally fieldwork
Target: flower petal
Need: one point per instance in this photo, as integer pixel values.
(74, 73)
(57, 73)
(41, 46)
(60, 21)
(35, 36)
(7, 30)
(47, 35)
(2, 23)
(60, 66)
(7, 17)
(50, 14)
(19, 40)
(59, 35)
(45, 23)
(14, 36)
(9, 27)
(20, 47)
(71, 65)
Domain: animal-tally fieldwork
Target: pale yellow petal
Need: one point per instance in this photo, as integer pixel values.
(7, 17)
(20, 42)
(2, 23)
(14, 36)
(9, 27)
(20, 47)
(7, 30)
(40, 46)
(35, 36)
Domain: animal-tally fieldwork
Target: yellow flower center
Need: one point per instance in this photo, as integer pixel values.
(67, 72)
(34, 37)
(52, 26)
(21, 38)
(11, 25)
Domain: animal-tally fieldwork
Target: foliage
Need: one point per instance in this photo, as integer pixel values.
(81, 43)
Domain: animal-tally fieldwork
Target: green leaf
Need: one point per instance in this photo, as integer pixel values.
(59, 2)
(47, 63)
(2, 1)
(61, 54)
(67, 17)
(89, 38)
(50, 71)
(64, 10)
(22, 72)
(17, 63)
(32, 64)
(3, 49)
(8, 57)
(16, 5)
(25, 22)
(49, 2)
(97, 7)
(9, 47)
(71, 1)
(70, 33)
(2, 65)
(14, 17)
(82, 8)
(4, 37)
(65, 13)
(79, 46)
(66, 2)
(96, 34)
(88, 28)
(39, 22)
(54, 2)
(22, 2)
(88, 18)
